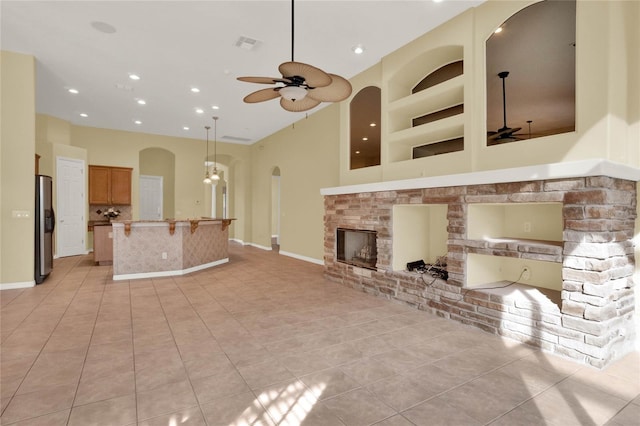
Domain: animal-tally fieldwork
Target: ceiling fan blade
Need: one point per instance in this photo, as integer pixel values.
(502, 134)
(299, 105)
(264, 80)
(313, 76)
(337, 91)
(261, 95)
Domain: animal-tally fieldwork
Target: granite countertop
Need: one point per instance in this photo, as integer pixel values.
(171, 220)
(93, 223)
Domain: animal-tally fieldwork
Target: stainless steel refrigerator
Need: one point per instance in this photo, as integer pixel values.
(45, 221)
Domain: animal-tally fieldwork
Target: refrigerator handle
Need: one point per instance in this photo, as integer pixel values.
(53, 220)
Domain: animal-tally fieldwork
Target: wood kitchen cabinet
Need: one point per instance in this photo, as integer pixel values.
(109, 185)
(103, 244)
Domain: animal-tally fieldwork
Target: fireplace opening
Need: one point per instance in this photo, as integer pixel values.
(357, 247)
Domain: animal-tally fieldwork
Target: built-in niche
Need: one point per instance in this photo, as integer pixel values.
(426, 105)
(364, 121)
(357, 247)
(419, 233)
(442, 74)
(531, 64)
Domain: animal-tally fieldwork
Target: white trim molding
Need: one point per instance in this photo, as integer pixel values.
(169, 273)
(13, 286)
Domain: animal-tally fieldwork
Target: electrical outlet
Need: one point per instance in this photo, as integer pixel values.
(526, 273)
(164, 254)
(527, 227)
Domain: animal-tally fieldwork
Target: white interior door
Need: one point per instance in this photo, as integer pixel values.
(150, 197)
(71, 227)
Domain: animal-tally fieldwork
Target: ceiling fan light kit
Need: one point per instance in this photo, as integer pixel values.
(302, 86)
(293, 93)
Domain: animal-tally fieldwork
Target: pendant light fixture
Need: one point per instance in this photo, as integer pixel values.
(214, 176)
(206, 179)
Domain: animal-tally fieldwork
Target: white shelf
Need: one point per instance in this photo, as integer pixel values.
(437, 98)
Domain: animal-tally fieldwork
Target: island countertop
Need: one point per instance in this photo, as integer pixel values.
(193, 223)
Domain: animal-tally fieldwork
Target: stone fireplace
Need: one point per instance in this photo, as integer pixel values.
(547, 261)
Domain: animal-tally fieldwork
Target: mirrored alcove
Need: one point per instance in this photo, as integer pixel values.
(531, 67)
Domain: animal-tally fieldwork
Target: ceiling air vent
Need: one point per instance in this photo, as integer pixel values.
(235, 138)
(247, 43)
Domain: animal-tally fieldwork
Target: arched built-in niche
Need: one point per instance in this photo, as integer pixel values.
(364, 122)
(536, 49)
(425, 112)
(160, 162)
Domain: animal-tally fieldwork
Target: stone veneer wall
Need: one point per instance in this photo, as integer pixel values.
(594, 323)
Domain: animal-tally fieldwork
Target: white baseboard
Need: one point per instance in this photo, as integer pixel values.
(12, 286)
(305, 258)
(169, 273)
(259, 246)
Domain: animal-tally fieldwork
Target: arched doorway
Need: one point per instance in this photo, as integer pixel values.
(275, 209)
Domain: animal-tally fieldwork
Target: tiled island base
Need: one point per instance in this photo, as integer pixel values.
(589, 317)
(165, 248)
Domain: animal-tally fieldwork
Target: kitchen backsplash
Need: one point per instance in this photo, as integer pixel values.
(96, 212)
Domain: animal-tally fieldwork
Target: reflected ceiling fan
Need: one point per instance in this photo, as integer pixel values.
(301, 86)
(505, 133)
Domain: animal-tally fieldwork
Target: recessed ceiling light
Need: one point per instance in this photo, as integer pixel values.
(437, 1)
(74, 91)
(358, 50)
(195, 90)
(365, 138)
(137, 121)
(199, 111)
(134, 76)
(185, 127)
(215, 107)
(373, 124)
(84, 115)
(498, 30)
(142, 102)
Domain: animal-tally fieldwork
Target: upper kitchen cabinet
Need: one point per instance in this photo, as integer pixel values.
(109, 185)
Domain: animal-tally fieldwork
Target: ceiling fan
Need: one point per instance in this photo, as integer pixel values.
(301, 86)
(505, 133)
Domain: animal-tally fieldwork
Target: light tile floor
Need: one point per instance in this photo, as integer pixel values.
(266, 340)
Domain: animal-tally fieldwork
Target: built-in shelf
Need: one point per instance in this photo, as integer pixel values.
(426, 106)
(401, 143)
(445, 95)
(549, 251)
(504, 239)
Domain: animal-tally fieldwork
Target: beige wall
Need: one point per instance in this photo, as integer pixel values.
(17, 168)
(160, 162)
(307, 154)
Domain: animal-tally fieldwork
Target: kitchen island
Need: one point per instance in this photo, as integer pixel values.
(161, 248)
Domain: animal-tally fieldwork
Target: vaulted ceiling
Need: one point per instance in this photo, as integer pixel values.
(176, 46)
